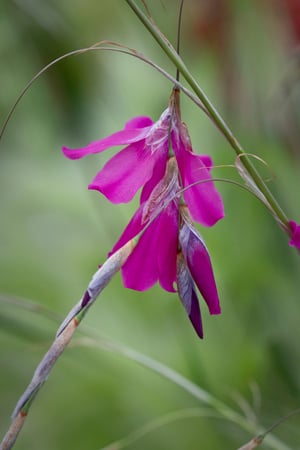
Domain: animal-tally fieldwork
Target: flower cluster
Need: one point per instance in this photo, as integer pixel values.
(177, 188)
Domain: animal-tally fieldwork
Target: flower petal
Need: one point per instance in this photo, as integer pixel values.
(295, 241)
(138, 122)
(204, 201)
(133, 229)
(140, 269)
(188, 296)
(123, 137)
(199, 264)
(207, 161)
(167, 246)
(124, 174)
(158, 172)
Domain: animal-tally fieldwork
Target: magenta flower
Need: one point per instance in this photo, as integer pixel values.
(142, 163)
(176, 187)
(295, 238)
(169, 250)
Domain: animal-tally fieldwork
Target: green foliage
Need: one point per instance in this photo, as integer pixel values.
(54, 232)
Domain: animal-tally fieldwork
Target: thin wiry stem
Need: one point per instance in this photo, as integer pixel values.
(63, 337)
(160, 422)
(255, 442)
(102, 45)
(179, 35)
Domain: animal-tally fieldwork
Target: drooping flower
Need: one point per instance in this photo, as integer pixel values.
(176, 188)
(295, 238)
(169, 250)
(142, 163)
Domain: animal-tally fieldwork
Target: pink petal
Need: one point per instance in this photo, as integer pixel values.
(133, 229)
(199, 264)
(295, 241)
(157, 174)
(138, 122)
(204, 201)
(123, 137)
(140, 269)
(124, 174)
(207, 161)
(154, 257)
(167, 246)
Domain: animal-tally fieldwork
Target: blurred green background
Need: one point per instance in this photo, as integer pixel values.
(54, 232)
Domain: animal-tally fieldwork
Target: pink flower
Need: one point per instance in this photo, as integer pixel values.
(295, 241)
(169, 250)
(176, 187)
(142, 163)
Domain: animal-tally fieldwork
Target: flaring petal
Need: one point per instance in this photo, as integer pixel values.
(204, 201)
(199, 264)
(140, 269)
(188, 296)
(123, 137)
(133, 229)
(124, 174)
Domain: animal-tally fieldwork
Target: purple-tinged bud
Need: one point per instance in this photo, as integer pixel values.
(198, 262)
(187, 294)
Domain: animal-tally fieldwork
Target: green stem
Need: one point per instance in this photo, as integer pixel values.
(212, 112)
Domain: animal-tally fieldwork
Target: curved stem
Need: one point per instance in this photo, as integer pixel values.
(154, 425)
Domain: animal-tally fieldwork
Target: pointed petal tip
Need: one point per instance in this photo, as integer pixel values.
(70, 153)
(216, 309)
(198, 329)
(115, 198)
(94, 187)
(195, 315)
